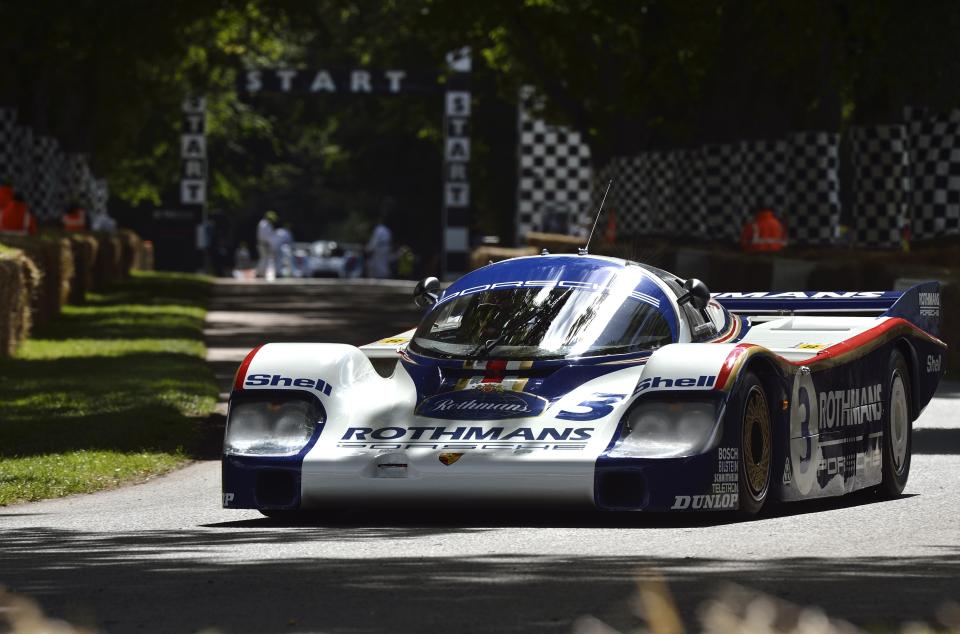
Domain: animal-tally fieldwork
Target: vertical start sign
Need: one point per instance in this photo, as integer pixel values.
(456, 162)
(193, 152)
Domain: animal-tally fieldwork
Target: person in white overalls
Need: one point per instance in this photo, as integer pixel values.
(380, 251)
(265, 243)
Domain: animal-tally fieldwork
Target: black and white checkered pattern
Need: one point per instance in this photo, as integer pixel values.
(688, 215)
(47, 178)
(47, 193)
(99, 196)
(881, 169)
(25, 170)
(763, 175)
(78, 177)
(724, 202)
(899, 171)
(812, 207)
(934, 154)
(627, 199)
(711, 191)
(8, 144)
(555, 172)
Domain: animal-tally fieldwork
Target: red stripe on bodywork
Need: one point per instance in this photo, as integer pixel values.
(855, 347)
(244, 366)
(732, 361)
(865, 337)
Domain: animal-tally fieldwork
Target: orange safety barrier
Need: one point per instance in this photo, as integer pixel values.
(15, 217)
(74, 220)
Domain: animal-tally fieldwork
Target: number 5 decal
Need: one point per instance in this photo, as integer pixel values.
(597, 407)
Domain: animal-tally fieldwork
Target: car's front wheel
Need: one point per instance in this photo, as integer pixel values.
(898, 428)
(756, 446)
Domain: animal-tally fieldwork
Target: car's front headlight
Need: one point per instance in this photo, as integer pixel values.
(270, 426)
(660, 429)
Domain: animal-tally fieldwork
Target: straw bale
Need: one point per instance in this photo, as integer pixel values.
(109, 257)
(54, 257)
(19, 278)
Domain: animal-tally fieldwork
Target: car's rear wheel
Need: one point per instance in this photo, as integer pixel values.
(756, 446)
(898, 427)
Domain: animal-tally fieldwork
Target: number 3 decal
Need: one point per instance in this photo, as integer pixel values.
(597, 407)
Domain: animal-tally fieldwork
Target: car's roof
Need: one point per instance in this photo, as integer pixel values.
(598, 269)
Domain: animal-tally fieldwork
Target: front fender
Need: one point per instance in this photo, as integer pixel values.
(687, 366)
(341, 376)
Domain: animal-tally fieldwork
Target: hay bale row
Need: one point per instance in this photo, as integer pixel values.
(19, 281)
(39, 274)
(145, 256)
(129, 251)
(84, 264)
(53, 256)
(107, 268)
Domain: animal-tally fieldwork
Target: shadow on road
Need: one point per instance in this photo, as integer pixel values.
(470, 519)
(129, 581)
(936, 441)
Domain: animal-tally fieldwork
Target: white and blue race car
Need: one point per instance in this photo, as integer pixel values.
(596, 382)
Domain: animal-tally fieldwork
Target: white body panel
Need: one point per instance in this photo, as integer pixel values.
(798, 338)
(345, 465)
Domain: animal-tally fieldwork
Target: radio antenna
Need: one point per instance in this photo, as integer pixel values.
(597, 219)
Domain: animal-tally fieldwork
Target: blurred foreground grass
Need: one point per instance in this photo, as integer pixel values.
(732, 610)
(110, 392)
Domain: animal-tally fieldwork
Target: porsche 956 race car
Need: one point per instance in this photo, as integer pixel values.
(596, 382)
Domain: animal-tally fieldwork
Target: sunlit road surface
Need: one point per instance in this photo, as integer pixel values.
(164, 557)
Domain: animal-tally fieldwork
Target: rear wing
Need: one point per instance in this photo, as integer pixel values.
(919, 304)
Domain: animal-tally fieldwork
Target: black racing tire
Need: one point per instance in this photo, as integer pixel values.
(755, 418)
(897, 426)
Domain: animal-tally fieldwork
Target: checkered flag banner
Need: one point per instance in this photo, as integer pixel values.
(8, 145)
(811, 210)
(47, 192)
(48, 178)
(711, 191)
(555, 174)
(99, 196)
(78, 180)
(688, 213)
(934, 157)
(25, 169)
(881, 173)
(724, 201)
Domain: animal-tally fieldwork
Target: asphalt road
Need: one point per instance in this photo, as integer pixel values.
(164, 557)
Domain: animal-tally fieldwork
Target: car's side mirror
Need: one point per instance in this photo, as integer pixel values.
(697, 294)
(426, 292)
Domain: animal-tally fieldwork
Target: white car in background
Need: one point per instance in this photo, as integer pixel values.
(327, 258)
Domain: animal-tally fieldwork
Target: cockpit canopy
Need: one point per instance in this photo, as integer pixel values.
(549, 307)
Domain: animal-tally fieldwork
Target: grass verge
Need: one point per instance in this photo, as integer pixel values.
(110, 392)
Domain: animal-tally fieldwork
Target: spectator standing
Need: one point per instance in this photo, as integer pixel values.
(283, 250)
(242, 262)
(265, 241)
(103, 222)
(380, 250)
(764, 233)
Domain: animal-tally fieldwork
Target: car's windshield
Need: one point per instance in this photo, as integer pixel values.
(541, 323)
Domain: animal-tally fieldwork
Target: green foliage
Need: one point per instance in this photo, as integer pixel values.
(107, 393)
(110, 77)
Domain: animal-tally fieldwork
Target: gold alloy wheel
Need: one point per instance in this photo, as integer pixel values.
(756, 435)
